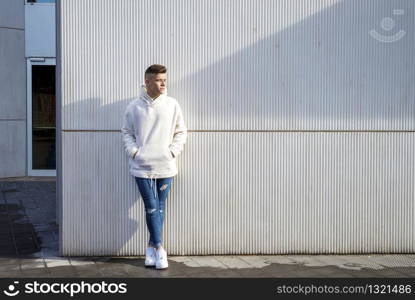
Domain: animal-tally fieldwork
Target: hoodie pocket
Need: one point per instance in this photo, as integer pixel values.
(153, 156)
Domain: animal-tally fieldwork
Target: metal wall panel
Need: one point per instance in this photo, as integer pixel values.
(12, 14)
(12, 89)
(247, 193)
(12, 75)
(264, 75)
(242, 64)
(12, 148)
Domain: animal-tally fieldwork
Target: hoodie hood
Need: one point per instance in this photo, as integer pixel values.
(148, 100)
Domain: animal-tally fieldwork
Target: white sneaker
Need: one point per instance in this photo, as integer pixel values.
(150, 257)
(161, 259)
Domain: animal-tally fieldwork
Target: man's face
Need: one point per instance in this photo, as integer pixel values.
(156, 84)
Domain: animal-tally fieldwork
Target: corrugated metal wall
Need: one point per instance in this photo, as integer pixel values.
(301, 125)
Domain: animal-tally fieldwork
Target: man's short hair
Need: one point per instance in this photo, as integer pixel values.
(155, 69)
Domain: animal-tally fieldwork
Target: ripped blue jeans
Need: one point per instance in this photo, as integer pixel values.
(154, 192)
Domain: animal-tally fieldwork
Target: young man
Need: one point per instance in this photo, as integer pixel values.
(154, 133)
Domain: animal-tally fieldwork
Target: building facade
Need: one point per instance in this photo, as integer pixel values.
(301, 119)
(27, 88)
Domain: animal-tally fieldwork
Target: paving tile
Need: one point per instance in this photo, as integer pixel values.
(32, 263)
(408, 271)
(87, 271)
(81, 261)
(38, 272)
(358, 262)
(392, 260)
(284, 271)
(179, 270)
(201, 274)
(227, 273)
(322, 273)
(336, 275)
(181, 258)
(188, 261)
(254, 273)
(305, 260)
(209, 261)
(165, 273)
(190, 271)
(66, 271)
(52, 262)
(390, 273)
(232, 262)
(329, 272)
(10, 267)
(332, 260)
(111, 270)
(278, 259)
(141, 271)
(303, 273)
(255, 261)
(282, 268)
(9, 261)
(364, 273)
(10, 274)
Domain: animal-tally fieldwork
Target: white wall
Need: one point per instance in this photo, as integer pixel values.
(301, 125)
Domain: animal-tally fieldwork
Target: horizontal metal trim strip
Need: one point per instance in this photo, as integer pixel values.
(103, 130)
(15, 28)
(43, 56)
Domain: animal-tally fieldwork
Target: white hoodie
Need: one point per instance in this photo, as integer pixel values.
(155, 129)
